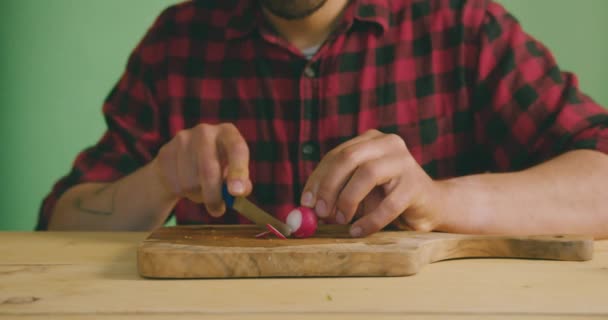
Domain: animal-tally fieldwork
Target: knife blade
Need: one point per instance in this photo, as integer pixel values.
(252, 212)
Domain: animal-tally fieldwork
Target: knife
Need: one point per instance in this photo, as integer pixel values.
(253, 212)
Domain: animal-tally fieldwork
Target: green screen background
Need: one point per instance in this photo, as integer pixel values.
(60, 58)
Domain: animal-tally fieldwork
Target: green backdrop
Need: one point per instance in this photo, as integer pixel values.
(59, 59)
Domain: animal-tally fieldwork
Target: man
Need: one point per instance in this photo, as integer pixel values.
(429, 115)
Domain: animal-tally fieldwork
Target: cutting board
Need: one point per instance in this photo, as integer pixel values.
(234, 252)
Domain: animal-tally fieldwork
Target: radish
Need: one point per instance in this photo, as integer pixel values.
(303, 222)
(274, 231)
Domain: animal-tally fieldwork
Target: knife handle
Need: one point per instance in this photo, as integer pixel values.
(228, 198)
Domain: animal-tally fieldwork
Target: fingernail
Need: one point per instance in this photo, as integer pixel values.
(307, 199)
(355, 232)
(340, 218)
(215, 212)
(321, 209)
(237, 186)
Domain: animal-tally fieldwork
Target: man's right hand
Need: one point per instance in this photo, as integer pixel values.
(196, 162)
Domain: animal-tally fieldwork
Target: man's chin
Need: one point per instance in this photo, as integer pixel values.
(292, 9)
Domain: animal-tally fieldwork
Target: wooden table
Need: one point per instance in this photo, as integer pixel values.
(93, 276)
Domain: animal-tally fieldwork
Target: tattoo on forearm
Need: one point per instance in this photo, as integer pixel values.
(88, 205)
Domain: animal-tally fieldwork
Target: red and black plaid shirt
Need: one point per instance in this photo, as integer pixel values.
(459, 80)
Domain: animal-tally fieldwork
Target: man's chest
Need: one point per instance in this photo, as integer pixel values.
(287, 106)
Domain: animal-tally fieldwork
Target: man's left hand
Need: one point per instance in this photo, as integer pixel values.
(374, 176)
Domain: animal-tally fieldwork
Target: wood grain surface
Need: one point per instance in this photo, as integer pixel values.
(93, 275)
(234, 252)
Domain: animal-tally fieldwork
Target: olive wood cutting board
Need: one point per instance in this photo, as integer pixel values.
(234, 252)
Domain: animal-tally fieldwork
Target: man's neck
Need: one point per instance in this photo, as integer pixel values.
(312, 30)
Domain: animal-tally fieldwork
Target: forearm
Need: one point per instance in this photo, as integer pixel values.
(136, 202)
(566, 195)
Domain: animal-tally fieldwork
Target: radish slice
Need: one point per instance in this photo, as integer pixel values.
(275, 231)
(263, 234)
(303, 222)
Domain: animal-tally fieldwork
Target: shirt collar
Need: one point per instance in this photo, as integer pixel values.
(374, 11)
(247, 16)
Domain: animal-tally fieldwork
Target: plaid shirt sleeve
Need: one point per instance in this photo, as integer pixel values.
(134, 125)
(528, 110)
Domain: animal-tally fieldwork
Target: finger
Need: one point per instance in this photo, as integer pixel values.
(367, 135)
(236, 151)
(344, 165)
(209, 170)
(390, 208)
(186, 176)
(371, 201)
(366, 177)
(166, 161)
(310, 191)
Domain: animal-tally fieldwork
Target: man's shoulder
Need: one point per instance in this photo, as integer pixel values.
(210, 13)
(438, 14)
(437, 4)
(207, 6)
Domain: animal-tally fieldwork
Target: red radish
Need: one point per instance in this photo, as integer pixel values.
(263, 234)
(274, 231)
(303, 222)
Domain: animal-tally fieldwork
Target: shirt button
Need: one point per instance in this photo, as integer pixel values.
(309, 72)
(308, 149)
